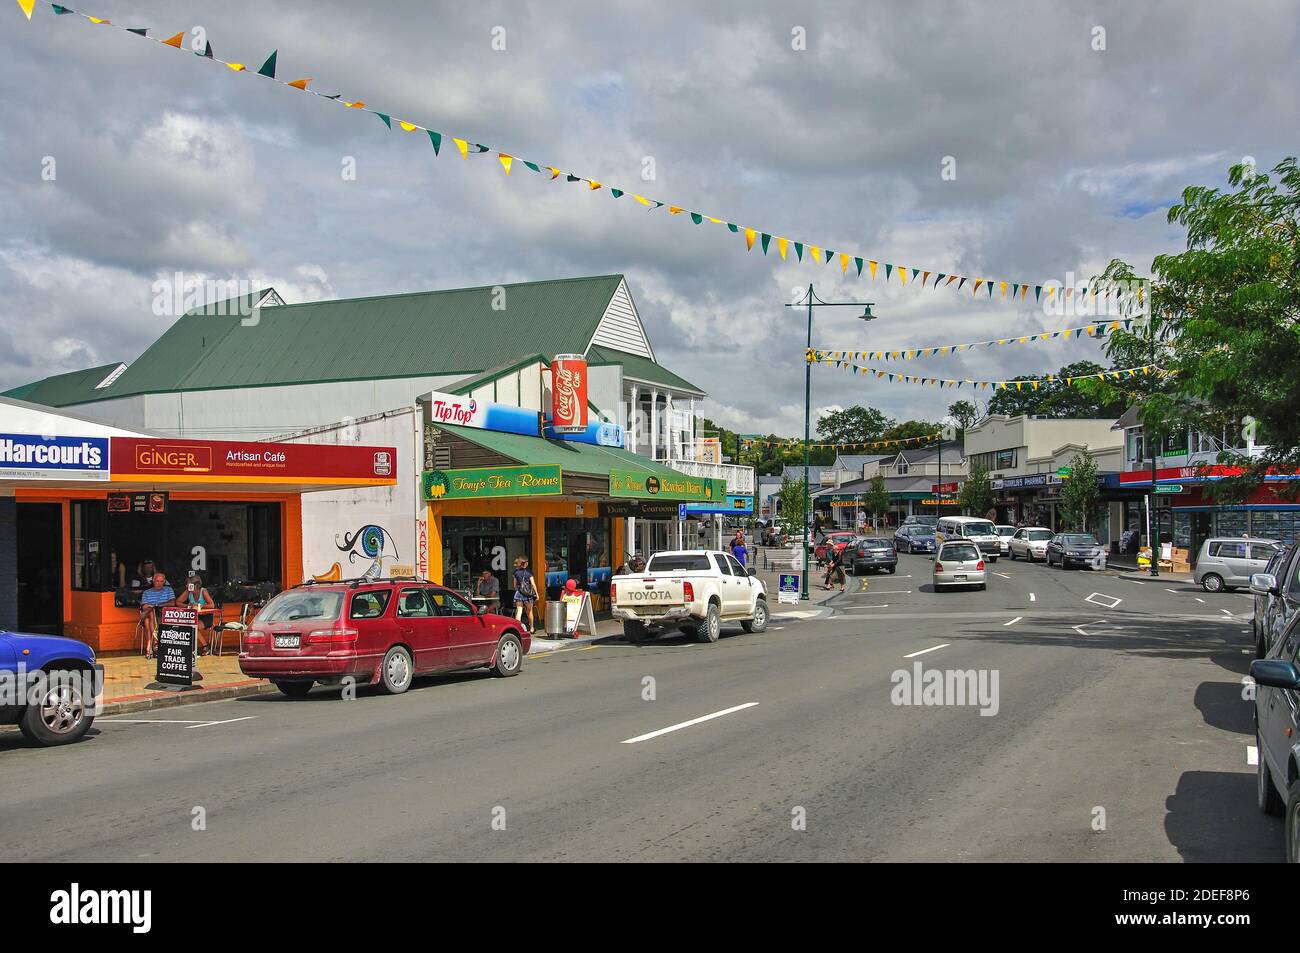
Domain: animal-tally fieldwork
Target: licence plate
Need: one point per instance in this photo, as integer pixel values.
(287, 641)
(961, 575)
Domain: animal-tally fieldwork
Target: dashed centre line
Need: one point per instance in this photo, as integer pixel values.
(687, 724)
(933, 648)
(1013, 621)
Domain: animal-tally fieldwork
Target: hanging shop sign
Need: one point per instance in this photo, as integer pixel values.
(33, 457)
(598, 433)
(1024, 482)
(640, 509)
(569, 393)
(480, 483)
(641, 484)
(943, 487)
(462, 411)
(734, 504)
(249, 462)
(137, 502)
(935, 502)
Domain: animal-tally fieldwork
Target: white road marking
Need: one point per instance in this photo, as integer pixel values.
(890, 592)
(1014, 621)
(187, 722)
(1002, 574)
(1200, 600)
(687, 724)
(1252, 755)
(1079, 628)
(1097, 596)
(1227, 612)
(228, 721)
(1174, 591)
(1137, 582)
(1032, 597)
(933, 648)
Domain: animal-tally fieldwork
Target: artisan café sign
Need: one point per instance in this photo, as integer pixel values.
(480, 483)
(639, 484)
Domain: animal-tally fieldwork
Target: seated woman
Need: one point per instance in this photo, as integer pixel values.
(199, 598)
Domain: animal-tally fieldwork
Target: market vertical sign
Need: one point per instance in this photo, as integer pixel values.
(32, 457)
(642, 485)
(479, 483)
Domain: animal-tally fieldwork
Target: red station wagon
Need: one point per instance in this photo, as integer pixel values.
(381, 632)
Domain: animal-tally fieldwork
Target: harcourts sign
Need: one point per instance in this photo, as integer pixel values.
(29, 457)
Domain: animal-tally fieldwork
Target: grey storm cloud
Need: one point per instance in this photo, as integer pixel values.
(1065, 157)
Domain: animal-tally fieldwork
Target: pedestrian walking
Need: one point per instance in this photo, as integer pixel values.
(739, 549)
(525, 593)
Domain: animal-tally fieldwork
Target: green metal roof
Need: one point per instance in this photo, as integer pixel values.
(74, 387)
(640, 368)
(571, 456)
(457, 331)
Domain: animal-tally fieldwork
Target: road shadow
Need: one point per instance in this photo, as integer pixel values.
(1212, 818)
(1145, 636)
(1222, 706)
(333, 693)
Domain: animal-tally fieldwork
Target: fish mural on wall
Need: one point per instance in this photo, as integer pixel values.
(370, 542)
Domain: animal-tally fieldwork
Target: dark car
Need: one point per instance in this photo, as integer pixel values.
(1277, 733)
(871, 552)
(914, 538)
(380, 632)
(1277, 598)
(1075, 549)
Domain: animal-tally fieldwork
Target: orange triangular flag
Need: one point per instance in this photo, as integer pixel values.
(301, 83)
(174, 41)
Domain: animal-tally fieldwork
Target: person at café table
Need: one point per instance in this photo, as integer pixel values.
(158, 594)
(488, 589)
(195, 596)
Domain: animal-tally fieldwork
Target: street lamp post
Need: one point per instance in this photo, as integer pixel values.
(810, 300)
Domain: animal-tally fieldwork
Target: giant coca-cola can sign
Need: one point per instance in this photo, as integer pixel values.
(569, 393)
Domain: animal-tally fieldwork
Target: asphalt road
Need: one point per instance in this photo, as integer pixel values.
(1125, 716)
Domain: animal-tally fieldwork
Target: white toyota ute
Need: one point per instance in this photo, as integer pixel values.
(692, 590)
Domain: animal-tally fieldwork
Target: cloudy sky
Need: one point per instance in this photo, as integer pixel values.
(1065, 156)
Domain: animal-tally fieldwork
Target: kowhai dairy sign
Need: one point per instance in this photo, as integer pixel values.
(639, 484)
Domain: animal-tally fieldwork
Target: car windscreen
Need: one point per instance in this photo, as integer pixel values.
(1079, 539)
(1039, 534)
(300, 604)
(688, 562)
(978, 529)
(872, 543)
(959, 551)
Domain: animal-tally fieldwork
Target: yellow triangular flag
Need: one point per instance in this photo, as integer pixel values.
(506, 161)
(873, 265)
(237, 67)
(749, 238)
(844, 263)
(978, 282)
(781, 245)
(593, 184)
(1004, 291)
(642, 199)
(27, 6)
(408, 126)
(902, 275)
(463, 146)
(555, 173)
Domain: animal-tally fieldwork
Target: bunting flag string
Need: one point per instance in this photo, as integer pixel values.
(752, 235)
(1033, 383)
(860, 445)
(913, 353)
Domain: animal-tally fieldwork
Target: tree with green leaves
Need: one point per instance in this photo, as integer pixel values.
(1226, 323)
(964, 412)
(856, 424)
(1059, 400)
(876, 498)
(1080, 495)
(976, 493)
(911, 428)
(790, 508)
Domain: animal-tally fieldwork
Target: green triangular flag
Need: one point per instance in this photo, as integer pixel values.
(858, 262)
(268, 68)
(697, 218)
(617, 193)
(1015, 289)
(798, 250)
(732, 227)
(767, 240)
(436, 139)
(938, 278)
(137, 31)
(829, 254)
(574, 178)
(387, 120)
(481, 147)
(1038, 289)
(990, 289)
(915, 272)
(889, 270)
(960, 283)
(533, 165)
(60, 10)
(207, 54)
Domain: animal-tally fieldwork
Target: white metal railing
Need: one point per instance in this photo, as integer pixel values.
(739, 479)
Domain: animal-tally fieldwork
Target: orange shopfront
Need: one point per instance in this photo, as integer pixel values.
(230, 511)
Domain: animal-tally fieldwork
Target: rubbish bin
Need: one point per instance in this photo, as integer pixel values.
(555, 618)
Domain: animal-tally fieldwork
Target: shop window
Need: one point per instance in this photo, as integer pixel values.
(1230, 523)
(578, 549)
(474, 543)
(90, 570)
(1275, 524)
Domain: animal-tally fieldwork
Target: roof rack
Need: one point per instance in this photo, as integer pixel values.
(354, 583)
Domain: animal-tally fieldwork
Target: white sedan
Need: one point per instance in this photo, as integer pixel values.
(1029, 542)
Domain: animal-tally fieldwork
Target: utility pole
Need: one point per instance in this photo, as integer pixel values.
(811, 300)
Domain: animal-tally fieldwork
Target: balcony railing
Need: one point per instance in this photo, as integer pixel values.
(739, 479)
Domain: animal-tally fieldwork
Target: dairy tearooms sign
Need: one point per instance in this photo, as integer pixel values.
(638, 484)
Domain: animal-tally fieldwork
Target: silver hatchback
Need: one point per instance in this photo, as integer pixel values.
(959, 563)
(1224, 563)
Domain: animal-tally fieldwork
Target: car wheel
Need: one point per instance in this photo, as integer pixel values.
(294, 689)
(759, 622)
(509, 656)
(1212, 582)
(62, 716)
(1293, 823)
(634, 633)
(1267, 796)
(1012, 554)
(982, 586)
(396, 671)
(711, 628)
(891, 569)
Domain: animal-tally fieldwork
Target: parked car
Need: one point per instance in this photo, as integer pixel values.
(1030, 543)
(380, 632)
(1076, 549)
(1224, 564)
(693, 590)
(821, 552)
(1277, 597)
(871, 552)
(972, 528)
(1277, 733)
(914, 538)
(57, 684)
(959, 563)
(1005, 532)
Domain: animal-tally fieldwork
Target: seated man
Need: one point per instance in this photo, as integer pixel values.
(158, 594)
(487, 589)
